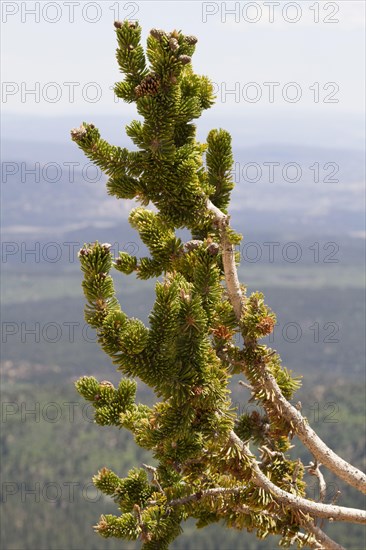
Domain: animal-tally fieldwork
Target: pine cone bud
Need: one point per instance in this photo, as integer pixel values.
(184, 296)
(192, 245)
(106, 383)
(173, 44)
(222, 332)
(158, 34)
(78, 133)
(149, 85)
(145, 535)
(213, 249)
(184, 59)
(265, 326)
(102, 526)
(118, 24)
(191, 40)
(84, 251)
(174, 34)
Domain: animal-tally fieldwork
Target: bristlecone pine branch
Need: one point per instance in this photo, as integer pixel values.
(204, 466)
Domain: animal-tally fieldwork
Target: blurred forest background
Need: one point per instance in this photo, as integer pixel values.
(303, 247)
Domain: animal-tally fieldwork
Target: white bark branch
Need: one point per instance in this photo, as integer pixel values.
(327, 511)
(309, 438)
(322, 540)
(228, 258)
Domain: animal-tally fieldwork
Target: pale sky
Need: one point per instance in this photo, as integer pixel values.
(297, 59)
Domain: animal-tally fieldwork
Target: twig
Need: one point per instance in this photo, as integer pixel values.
(314, 470)
(296, 471)
(336, 497)
(242, 383)
(311, 543)
(270, 452)
(155, 480)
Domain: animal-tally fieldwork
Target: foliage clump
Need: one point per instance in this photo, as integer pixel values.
(187, 354)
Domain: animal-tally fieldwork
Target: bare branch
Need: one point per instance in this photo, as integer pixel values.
(327, 511)
(351, 475)
(321, 541)
(311, 440)
(228, 258)
(324, 541)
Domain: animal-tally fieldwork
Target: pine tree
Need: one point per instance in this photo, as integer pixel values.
(205, 468)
